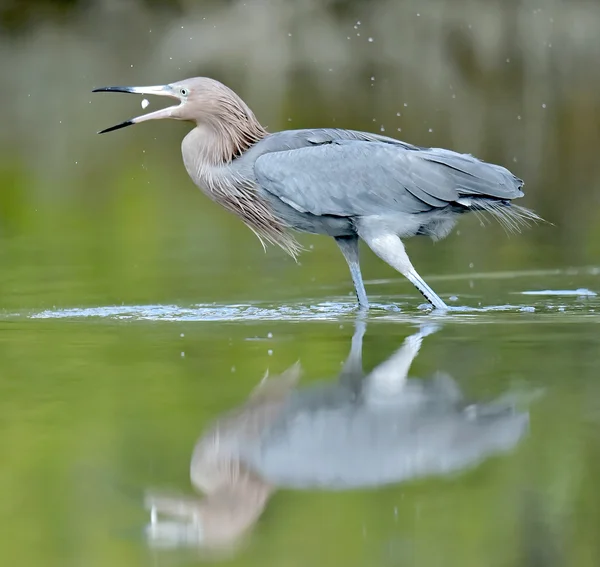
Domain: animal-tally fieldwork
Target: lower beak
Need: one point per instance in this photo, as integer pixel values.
(162, 90)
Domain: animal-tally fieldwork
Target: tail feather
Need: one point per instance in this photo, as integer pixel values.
(513, 218)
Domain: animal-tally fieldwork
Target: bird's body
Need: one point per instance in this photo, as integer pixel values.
(341, 183)
(332, 182)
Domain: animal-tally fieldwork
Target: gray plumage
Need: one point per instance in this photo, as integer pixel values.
(332, 174)
(381, 427)
(341, 183)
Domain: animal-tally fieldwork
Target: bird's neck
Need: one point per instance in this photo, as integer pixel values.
(208, 154)
(217, 143)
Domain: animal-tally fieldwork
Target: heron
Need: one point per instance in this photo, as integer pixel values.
(346, 184)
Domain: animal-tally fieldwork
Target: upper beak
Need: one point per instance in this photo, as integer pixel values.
(162, 90)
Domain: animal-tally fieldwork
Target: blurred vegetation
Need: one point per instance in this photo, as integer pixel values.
(510, 82)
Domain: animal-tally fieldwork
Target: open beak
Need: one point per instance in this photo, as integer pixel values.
(163, 90)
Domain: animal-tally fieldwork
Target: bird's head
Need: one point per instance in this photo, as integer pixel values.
(200, 99)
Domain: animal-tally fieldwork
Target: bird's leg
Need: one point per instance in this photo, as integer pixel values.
(349, 247)
(352, 371)
(353, 363)
(390, 249)
(389, 378)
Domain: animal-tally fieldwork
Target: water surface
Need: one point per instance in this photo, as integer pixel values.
(103, 406)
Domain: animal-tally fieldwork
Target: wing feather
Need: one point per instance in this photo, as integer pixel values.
(361, 177)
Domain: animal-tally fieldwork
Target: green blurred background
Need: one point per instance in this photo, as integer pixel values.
(95, 411)
(87, 219)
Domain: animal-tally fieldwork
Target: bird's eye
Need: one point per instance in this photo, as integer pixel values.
(183, 91)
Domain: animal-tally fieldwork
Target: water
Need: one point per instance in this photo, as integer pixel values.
(102, 408)
(135, 315)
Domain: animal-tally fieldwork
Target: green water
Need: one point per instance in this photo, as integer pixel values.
(134, 312)
(97, 411)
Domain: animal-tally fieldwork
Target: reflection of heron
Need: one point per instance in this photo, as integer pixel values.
(339, 183)
(361, 431)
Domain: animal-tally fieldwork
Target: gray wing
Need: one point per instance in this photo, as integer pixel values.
(360, 177)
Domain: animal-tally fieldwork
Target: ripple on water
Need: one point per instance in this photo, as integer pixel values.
(324, 311)
(581, 292)
(249, 312)
(208, 312)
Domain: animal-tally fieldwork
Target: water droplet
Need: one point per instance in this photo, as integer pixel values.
(543, 105)
(289, 35)
(270, 352)
(406, 104)
(145, 103)
(508, 59)
(430, 129)
(399, 129)
(471, 265)
(373, 78)
(182, 335)
(370, 40)
(398, 114)
(518, 117)
(182, 354)
(382, 129)
(233, 368)
(269, 335)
